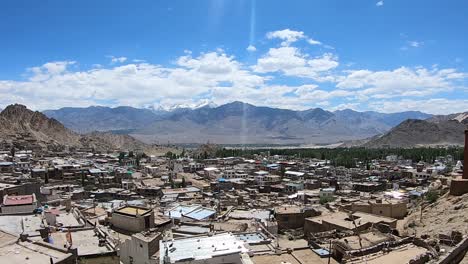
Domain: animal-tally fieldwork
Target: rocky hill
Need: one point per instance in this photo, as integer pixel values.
(20, 123)
(107, 141)
(445, 215)
(17, 119)
(438, 130)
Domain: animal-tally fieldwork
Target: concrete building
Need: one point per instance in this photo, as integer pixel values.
(369, 186)
(292, 217)
(459, 186)
(15, 251)
(6, 166)
(133, 219)
(141, 248)
(388, 208)
(327, 193)
(90, 245)
(190, 213)
(294, 187)
(212, 249)
(294, 175)
(345, 221)
(20, 204)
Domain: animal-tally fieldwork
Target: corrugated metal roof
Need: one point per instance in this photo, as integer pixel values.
(202, 247)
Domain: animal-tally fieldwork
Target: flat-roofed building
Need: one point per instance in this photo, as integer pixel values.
(91, 245)
(213, 249)
(133, 218)
(292, 217)
(389, 208)
(141, 248)
(13, 251)
(345, 221)
(294, 175)
(19, 204)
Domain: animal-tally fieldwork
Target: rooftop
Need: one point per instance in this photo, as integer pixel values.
(85, 240)
(14, 224)
(288, 210)
(18, 200)
(295, 173)
(133, 211)
(180, 190)
(343, 219)
(29, 253)
(205, 247)
(400, 255)
(302, 256)
(367, 240)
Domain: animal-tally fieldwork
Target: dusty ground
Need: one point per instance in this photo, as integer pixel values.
(447, 214)
(465, 260)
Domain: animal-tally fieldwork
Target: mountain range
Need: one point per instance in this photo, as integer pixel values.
(233, 123)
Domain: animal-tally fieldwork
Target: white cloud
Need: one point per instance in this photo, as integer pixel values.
(115, 60)
(313, 42)
(299, 97)
(251, 48)
(412, 44)
(283, 58)
(432, 106)
(219, 77)
(292, 62)
(380, 3)
(401, 82)
(290, 36)
(325, 62)
(415, 44)
(49, 70)
(54, 85)
(306, 93)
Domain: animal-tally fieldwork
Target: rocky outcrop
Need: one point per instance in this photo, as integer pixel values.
(17, 121)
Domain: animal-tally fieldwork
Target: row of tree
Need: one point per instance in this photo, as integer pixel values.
(348, 157)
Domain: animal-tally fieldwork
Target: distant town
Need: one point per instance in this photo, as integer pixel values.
(210, 204)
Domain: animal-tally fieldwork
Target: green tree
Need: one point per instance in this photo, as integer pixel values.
(171, 181)
(121, 157)
(12, 152)
(326, 199)
(432, 196)
(282, 170)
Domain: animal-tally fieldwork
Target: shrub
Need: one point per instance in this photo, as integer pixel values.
(432, 196)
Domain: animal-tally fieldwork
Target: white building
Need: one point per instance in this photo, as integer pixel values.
(294, 175)
(326, 192)
(212, 173)
(141, 248)
(211, 249)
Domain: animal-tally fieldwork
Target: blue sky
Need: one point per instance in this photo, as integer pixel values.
(388, 55)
